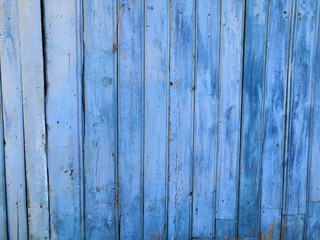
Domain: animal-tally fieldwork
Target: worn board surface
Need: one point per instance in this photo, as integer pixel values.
(181, 119)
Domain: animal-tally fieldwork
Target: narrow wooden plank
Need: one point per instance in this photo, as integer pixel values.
(156, 119)
(131, 122)
(3, 203)
(34, 118)
(62, 21)
(182, 45)
(270, 224)
(225, 229)
(293, 226)
(230, 89)
(13, 120)
(252, 117)
(100, 91)
(206, 108)
(299, 120)
(274, 123)
(313, 221)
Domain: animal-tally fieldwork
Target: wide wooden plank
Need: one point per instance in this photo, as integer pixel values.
(252, 117)
(62, 22)
(230, 89)
(34, 118)
(13, 120)
(156, 119)
(274, 115)
(3, 203)
(206, 108)
(100, 91)
(299, 120)
(130, 117)
(181, 105)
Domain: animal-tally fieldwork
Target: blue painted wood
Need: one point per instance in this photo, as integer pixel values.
(63, 52)
(230, 89)
(34, 118)
(100, 82)
(277, 61)
(206, 109)
(3, 203)
(13, 120)
(313, 200)
(313, 222)
(181, 105)
(295, 193)
(156, 89)
(130, 117)
(252, 117)
(151, 93)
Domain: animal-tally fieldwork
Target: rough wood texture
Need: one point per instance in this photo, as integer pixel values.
(179, 119)
(63, 38)
(100, 85)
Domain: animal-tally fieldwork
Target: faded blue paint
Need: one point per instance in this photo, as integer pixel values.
(179, 119)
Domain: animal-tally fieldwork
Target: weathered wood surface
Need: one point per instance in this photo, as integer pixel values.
(130, 119)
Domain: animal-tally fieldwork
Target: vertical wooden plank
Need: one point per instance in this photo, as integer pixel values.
(299, 119)
(274, 121)
(206, 108)
(313, 219)
(313, 224)
(62, 20)
(252, 117)
(3, 203)
(100, 91)
(182, 45)
(13, 120)
(34, 118)
(131, 122)
(230, 88)
(156, 119)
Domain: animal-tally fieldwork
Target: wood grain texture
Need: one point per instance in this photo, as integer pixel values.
(277, 62)
(13, 120)
(230, 94)
(3, 202)
(181, 105)
(206, 112)
(62, 22)
(34, 118)
(252, 117)
(100, 99)
(156, 90)
(303, 55)
(131, 117)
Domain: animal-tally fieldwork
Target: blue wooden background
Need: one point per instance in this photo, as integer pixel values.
(158, 119)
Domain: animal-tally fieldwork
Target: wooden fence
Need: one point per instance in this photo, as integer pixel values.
(158, 119)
